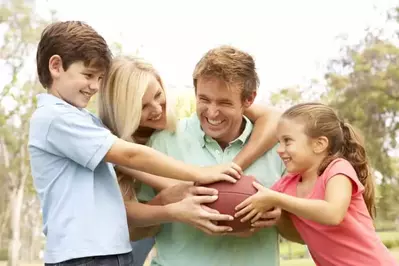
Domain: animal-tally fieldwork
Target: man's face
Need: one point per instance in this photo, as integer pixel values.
(220, 109)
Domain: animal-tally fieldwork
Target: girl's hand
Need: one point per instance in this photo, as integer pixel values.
(256, 205)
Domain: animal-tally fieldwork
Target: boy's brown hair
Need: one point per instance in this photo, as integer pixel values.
(73, 41)
(231, 65)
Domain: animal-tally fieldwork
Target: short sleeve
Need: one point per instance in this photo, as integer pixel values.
(282, 184)
(77, 137)
(343, 167)
(158, 142)
(277, 186)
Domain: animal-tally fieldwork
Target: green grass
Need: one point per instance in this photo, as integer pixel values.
(309, 262)
(296, 248)
(298, 262)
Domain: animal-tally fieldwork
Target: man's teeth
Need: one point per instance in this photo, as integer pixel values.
(286, 160)
(87, 94)
(214, 122)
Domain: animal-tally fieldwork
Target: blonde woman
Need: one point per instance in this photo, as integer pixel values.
(133, 105)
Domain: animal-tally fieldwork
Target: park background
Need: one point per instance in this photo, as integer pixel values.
(343, 53)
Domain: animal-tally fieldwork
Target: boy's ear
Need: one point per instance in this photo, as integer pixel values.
(55, 66)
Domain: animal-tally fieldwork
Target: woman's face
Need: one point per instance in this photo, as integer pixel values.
(153, 114)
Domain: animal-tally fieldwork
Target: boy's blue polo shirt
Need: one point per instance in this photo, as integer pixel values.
(83, 209)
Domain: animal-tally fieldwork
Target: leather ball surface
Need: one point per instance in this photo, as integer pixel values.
(230, 195)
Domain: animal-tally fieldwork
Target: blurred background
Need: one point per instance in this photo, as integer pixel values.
(343, 53)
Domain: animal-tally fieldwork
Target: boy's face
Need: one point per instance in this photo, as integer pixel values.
(77, 84)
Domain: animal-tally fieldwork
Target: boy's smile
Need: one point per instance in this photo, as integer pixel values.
(77, 84)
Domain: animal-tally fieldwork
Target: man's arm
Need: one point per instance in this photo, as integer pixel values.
(263, 136)
(287, 229)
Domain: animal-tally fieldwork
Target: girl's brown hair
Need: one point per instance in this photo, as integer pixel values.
(343, 142)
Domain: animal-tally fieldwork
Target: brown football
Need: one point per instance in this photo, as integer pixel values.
(230, 195)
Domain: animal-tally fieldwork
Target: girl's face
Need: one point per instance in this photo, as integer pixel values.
(153, 113)
(295, 147)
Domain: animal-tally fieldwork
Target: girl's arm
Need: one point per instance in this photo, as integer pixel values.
(330, 211)
(263, 136)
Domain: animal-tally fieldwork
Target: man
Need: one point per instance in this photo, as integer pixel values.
(225, 83)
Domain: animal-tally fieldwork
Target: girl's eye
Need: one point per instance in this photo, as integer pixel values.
(287, 140)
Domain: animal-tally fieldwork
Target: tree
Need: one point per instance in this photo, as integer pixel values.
(17, 102)
(363, 86)
(365, 89)
(185, 103)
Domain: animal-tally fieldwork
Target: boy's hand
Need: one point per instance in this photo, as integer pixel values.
(229, 172)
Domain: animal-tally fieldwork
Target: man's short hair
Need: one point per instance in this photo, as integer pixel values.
(231, 65)
(73, 41)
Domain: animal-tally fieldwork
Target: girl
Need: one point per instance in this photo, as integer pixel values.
(329, 191)
(133, 105)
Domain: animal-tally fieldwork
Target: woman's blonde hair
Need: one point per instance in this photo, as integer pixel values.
(121, 94)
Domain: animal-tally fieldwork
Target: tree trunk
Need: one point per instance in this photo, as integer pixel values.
(16, 200)
(3, 225)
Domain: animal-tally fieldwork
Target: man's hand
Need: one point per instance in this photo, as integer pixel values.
(191, 211)
(181, 191)
(268, 219)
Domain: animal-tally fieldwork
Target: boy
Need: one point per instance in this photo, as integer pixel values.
(72, 154)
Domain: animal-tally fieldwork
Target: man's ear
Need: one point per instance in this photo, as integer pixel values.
(249, 100)
(55, 66)
(320, 144)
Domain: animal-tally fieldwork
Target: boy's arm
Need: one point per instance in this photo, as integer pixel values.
(148, 160)
(263, 136)
(76, 136)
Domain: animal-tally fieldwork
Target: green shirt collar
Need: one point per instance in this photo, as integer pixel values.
(242, 139)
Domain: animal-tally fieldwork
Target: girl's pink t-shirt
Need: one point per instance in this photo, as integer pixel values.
(354, 241)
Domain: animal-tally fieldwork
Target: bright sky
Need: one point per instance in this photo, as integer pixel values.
(291, 40)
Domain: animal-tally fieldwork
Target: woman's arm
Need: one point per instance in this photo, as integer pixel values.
(263, 136)
(134, 208)
(156, 182)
